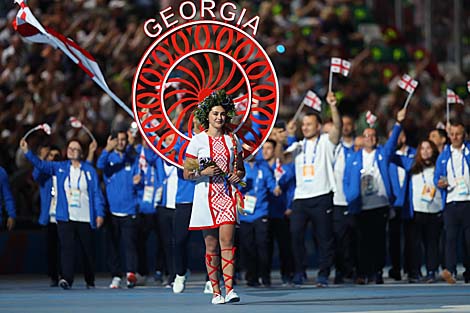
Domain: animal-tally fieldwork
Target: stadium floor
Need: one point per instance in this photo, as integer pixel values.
(27, 293)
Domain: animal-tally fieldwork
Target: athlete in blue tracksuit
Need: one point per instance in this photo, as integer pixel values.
(48, 195)
(343, 222)
(368, 192)
(7, 198)
(183, 209)
(399, 181)
(166, 212)
(254, 224)
(117, 161)
(452, 177)
(149, 193)
(79, 209)
(279, 206)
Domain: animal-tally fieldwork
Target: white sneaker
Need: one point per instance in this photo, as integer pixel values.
(115, 283)
(141, 280)
(232, 297)
(179, 284)
(218, 299)
(208, 287)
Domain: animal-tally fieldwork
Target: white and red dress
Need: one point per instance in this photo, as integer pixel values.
(214, 197)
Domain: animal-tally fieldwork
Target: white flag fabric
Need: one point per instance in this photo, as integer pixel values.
(31, 30)
(407, 83)
(340, 66)
(468, 86)
(46, 128)
(143, 166)
(75, 122)
(312, 100)
(452, 97)
(370, 118)
(278, 171)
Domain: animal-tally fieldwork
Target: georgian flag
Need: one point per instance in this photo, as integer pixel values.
(75, 122)
(452, 97)
(46, 128)
(312, 100)
(370, 118)
(340, 66)
(407, 83)
(31, 30)
(278, 171)
(143, 166)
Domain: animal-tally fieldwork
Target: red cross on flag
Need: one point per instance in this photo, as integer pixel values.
(407, 83)
(370, 118)
(31, 30)
(340, 66)
(143, 166)
(452, 97)
(312, 100)
(46, 128)
(278, 171)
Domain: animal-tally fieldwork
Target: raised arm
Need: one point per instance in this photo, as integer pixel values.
(392, 141)
(335, 132)
(43, 166)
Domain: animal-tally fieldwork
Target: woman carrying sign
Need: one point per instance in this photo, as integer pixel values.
(214, 160)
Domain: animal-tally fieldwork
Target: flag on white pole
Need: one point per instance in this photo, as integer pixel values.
(30, 29)
(452, 97)
(340, 66)
(370, 118)
(312, 100)
(407, 83)
(46, 128)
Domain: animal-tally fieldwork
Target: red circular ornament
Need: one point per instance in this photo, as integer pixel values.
(184, 66)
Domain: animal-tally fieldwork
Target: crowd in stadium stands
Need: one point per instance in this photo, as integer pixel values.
(38, 84)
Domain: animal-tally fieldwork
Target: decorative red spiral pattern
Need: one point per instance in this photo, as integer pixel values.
(184, 66)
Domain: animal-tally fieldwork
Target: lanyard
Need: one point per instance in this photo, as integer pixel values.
(424, 178)
(165, 180)
(152, 175)
(78, 182)
(256, 181)
(375, 164)
(314, 151)
(452, 163)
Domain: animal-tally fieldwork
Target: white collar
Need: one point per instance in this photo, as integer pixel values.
(462, 148)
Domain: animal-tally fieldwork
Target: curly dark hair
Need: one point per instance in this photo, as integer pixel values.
(216, 98)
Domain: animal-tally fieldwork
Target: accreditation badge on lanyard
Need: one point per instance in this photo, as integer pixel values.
(308, 170)
(74, 193)
(461, 186)
(250, 204)
(428, 192)
(148, 194)
(368, 182)
(149, 189)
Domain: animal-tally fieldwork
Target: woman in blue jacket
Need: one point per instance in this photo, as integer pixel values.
(423, 208)
(79, 208)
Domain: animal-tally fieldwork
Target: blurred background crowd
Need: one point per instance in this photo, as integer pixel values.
(383, 39)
